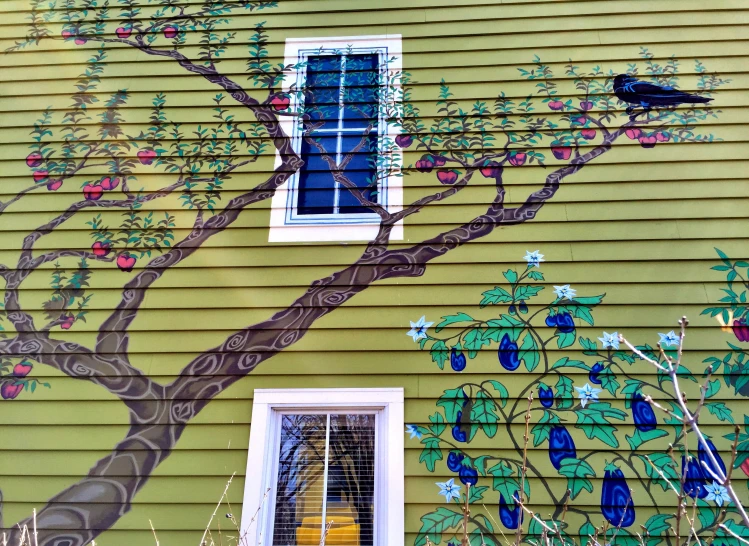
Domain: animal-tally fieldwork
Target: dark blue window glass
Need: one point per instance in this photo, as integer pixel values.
(341, 101)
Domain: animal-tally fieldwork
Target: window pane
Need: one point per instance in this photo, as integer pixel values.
(361, 171)
(351, 479)
(322, 90)
(316, 184)
(302, 496)
(301, 468)
(361, 93)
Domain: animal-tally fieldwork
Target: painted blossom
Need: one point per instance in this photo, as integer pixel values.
(533, 258)
(587, 394)
(669, 339)
(449, 489)
(565, 291)
(717, 493)
(610, 341)
(419, 329)
(414, 431)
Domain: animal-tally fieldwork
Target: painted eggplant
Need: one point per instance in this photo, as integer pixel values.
(616, 499)
(510, 517)
(545, 395)
(643, 413)
(704, 460)
(694, 478)
(508, 354)
(561, 446)
(595, 373)
(457, 360)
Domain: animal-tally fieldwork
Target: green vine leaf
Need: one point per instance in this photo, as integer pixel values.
(483, 412)
(431, 452)
(577, 473)
(435, 523)
(452, 319)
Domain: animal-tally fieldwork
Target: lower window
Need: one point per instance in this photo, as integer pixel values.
(325, 461)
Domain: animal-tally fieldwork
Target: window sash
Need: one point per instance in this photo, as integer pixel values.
(292, 214)
(274, 453)
(389, 452)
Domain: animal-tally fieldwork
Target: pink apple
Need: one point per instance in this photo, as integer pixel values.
(67, 34)
(517, 159)
(556, 105)
(54, 185)
(745, 467)
(403, 141)
(447, 177)
(280, 102)
(561, 152)
(9, 391)
(662, 137)
(170, 32)
(67, 323)
(588, 134)
(39, 176)
(92, 192)
(126, 261)
(586, 105)
(648, 141)
(425, 164)
(21, 369)
(633, 134)
(146, 156)
(109, 183)
(580, 119)
(491, 169)
(439, 160)
(34, 159)
(100, 249)
(124, 32)
(80, 40)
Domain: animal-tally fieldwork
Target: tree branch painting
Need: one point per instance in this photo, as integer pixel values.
(464, 145)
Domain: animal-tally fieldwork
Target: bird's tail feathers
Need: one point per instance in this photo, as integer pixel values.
(698, 99)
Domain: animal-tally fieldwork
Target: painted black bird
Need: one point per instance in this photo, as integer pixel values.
(649, 95)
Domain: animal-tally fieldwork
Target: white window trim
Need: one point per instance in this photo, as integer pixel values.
(389, 445)
(391, 188)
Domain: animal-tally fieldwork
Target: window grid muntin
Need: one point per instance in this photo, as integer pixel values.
(292, 199)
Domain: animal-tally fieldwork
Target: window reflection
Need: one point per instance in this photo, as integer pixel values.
(325, 476)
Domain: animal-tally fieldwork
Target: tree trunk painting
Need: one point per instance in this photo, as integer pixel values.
(554, 133)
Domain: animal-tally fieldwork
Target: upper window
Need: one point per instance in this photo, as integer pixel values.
(330, 460)
(347, 89)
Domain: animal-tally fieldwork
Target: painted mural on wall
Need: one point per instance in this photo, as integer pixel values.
(589, 403)
(88, 147)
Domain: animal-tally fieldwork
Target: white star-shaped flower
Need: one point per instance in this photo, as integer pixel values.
(610, 341)
(717, 493)
(587, 394)
(533, 258)
(669, 339)
(419, 329)
(449, 489)
(413, 430)
(565, 292)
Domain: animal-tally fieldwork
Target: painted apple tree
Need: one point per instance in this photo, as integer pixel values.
(520, 328)
(116, 182)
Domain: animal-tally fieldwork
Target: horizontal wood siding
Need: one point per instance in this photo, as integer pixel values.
(639, 225)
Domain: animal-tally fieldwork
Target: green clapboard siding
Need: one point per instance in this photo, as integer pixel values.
(635, 231)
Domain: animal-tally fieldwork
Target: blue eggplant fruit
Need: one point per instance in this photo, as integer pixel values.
(595, 373)
(457, 360)
(643, 413)
(545, 395)
(510, 517)
(508, 354)
(561, 446)
(616, 499)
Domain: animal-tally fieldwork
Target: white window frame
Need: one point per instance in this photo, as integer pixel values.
(285, 224)
(262, 464)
